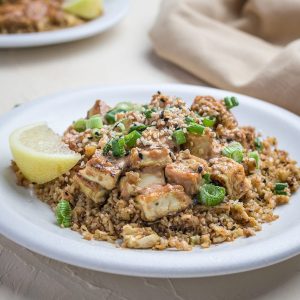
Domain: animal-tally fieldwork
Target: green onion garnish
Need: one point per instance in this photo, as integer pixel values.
(94, 122)
(195, 128)
(179, 137)
(231, 102)
(209, 121)
(63, 213)
(107, 148)
(118, 147)
(211, 195)
(189, 120)
(121, 107)
(139, 128)
(258, 144)
(96, 133)
(280, 188)
(148, 113)
(207, 178)
(121, 127)
(111, 115)
(234, 151)
(255, 156)
(131, 138)
(80, 125)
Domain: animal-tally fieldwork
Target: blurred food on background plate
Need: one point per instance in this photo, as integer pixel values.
(24, 16)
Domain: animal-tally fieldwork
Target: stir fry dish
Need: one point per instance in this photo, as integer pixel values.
(161, 175)
(24, 16)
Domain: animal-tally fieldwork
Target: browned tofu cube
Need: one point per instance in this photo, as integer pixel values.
(99, 108)
(103, 170)
(91, 189)
(159, 201)
(187, 171)
(201, 145)
(231, 175)
(133, 182)
(150, 158)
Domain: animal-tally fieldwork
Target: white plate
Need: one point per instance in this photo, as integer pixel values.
(115, 10)
(31, 223)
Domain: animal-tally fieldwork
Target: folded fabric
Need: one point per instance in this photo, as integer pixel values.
(247, 46)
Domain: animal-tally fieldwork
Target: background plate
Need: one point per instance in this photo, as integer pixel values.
(115, 10)
(30, 223)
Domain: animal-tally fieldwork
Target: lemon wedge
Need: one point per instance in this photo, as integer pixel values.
(87, 9)
(40, 154)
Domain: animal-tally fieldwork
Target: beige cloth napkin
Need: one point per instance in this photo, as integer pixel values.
(247, 46)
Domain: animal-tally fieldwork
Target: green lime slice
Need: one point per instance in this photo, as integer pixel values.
(86, 9)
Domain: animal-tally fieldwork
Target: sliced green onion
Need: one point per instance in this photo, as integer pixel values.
(80, 125)
(107, 148)
(111, 115)
(121, 127)
(126, 106)
(179, 137)
(63, 213)
(94, 122)
(280, 188)
(139, 128)
(234, 151)
(258, 144)
(255, 156)
(96, 133)
(231, 102)
(118, 147)
(148, 113)
(237, 156)
(129, 106)
(209, 121)
(211, 195)
(207, 178)
(131, 138)
(195, 128)
(189, 120)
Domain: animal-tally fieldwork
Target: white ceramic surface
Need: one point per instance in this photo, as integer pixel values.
(115, 10)
(31, 223)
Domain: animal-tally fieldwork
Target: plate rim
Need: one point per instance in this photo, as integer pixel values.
(65, 35)
(29, 242)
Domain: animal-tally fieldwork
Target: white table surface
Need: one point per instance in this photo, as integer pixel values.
(121, 55)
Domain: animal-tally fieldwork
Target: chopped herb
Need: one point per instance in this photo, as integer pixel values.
(80, 125)
(189, 120)
(63, 213)
(94, 122)
(231, 102)
(107, 148)
(234, 151)
(179, 137)
(111, 115)
(280, 188)
(211, 195)
(96, 133)
(258, 144)
(195, 128)
(209, 121)
(148, 113)
(255, 156)
(139, 128)
(118, 147)
(131, 138)
(207, 178)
